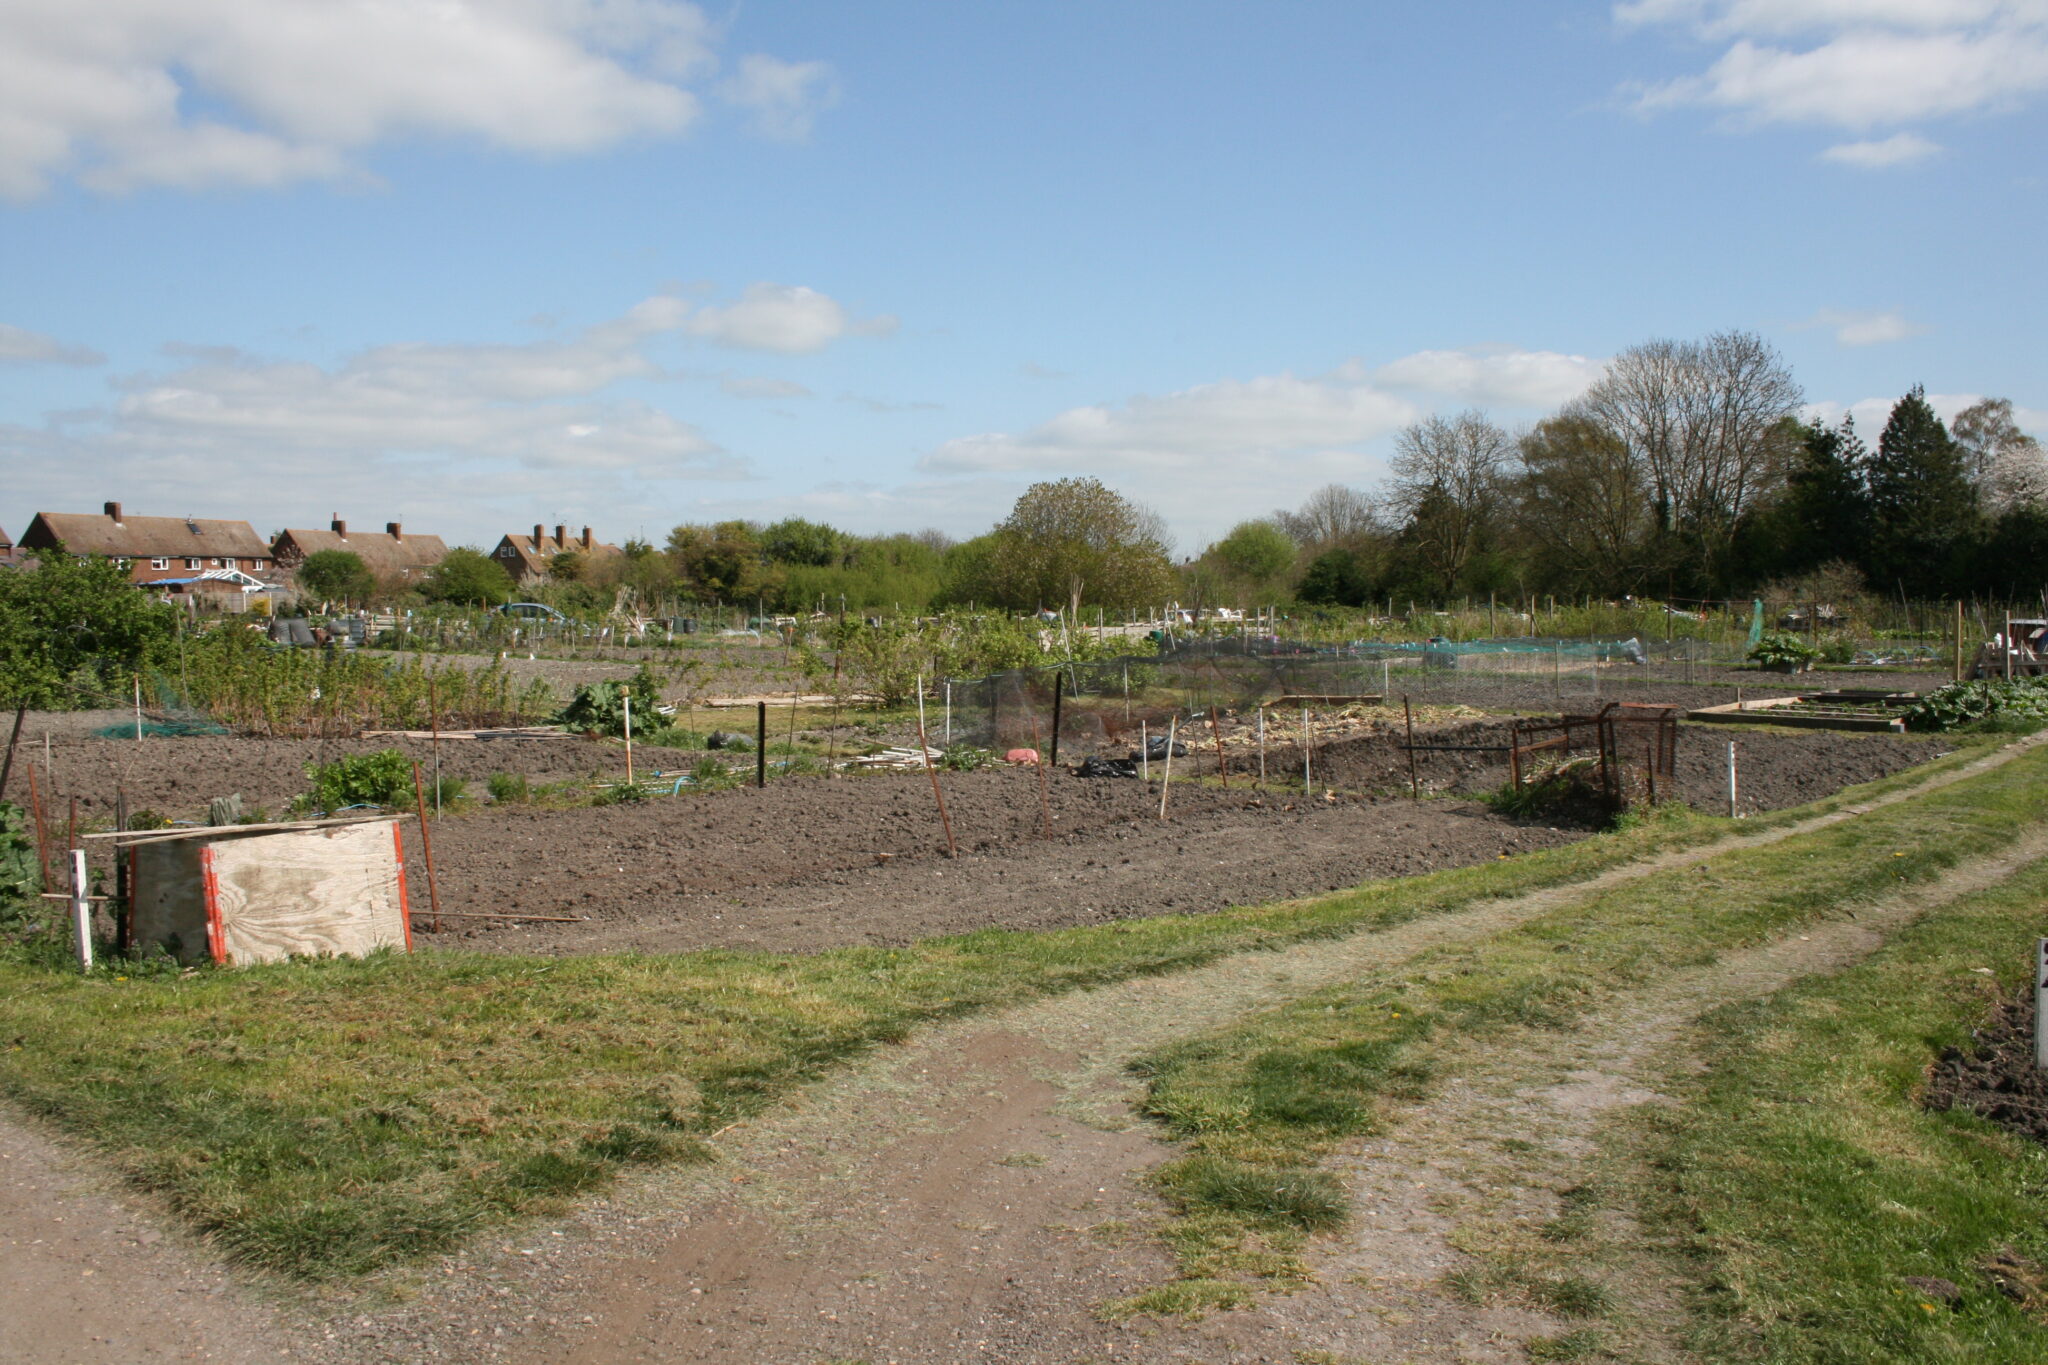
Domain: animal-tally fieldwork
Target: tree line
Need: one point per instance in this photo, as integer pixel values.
(1687, 471)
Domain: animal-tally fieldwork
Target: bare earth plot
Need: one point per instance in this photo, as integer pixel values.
(973, 1194)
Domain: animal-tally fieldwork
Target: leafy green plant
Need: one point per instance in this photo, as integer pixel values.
(379, 779)
(19, 880)
(622, 794)
(1987, 703)
(600, 708)
(1784, 650)
(964, 758)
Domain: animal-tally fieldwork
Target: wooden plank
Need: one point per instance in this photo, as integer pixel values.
(169, 900)
(314, 892)
(138, 836)
(1328, 699)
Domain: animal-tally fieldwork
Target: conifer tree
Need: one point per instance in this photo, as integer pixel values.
(1923, 507)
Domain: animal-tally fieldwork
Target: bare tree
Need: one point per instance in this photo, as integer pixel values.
(1334, 515)
(2005, 463)
(1706, 425)
(1445, 484)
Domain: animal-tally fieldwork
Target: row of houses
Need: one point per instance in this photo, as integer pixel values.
(192, 554)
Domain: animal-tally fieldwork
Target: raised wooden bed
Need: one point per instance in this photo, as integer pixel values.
(1865, 709)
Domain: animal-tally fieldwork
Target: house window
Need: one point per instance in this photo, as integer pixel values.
(159, 563)
(190, 564)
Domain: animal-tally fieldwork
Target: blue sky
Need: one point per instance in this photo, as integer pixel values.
(635, 262)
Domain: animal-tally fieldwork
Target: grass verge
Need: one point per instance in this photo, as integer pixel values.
(1807, 1182)
(326, 1118)
(1261, 1101)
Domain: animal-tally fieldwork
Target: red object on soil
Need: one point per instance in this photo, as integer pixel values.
(1021, 756)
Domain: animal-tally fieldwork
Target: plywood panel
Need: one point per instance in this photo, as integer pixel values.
(333, 891)
(169, 899)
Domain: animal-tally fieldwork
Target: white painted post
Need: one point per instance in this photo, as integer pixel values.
(1306, 785)
(138, 706)
(948, 741)
(1262, 746)
(629, 747)
(1166, 783)
(81, 910)
(1144, 753)
(1731, 779)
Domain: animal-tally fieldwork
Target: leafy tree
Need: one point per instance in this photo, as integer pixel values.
(467, 576)
(568, 566)
(1255, 552)
(1585, 504)
(796, 541)
(1336, 578)
(1923, 507)
(73, 621)
(1078, 541)
(337, 575)
(722, 560)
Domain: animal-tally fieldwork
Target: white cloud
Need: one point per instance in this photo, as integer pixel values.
(297, 89)
(19, 346)
(1495, 375)
(785, 98)
(1855, 64)
(790, 319)
(752, 386)
(535, 406)
(1854, 328)
(1900, 149)
(1194, 431)
(1872, 413)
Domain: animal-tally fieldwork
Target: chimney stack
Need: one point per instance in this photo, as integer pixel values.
(561, 537)
(114, 512)
(586, 540)
(391, 529)
(538, 538)
(338, 526)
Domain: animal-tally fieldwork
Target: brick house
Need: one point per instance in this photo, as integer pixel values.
(151, 548)
(528, 558)
(394, 554)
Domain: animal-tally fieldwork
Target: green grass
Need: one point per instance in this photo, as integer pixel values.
(326, 1118)
(1278, 1089)
(1807, 1180)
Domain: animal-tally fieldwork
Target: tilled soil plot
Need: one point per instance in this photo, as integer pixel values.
(1996, 1075)
(177, 777)
(1774, 768)
(810, 864)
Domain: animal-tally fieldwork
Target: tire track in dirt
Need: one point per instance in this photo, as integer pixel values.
(944, 1200)
(1485, 1162)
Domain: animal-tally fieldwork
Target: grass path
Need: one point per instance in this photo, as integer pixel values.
(973, 1192)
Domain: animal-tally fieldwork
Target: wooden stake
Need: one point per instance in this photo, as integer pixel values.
(1222, 767)
(35, 801)
(628, 699)
(1172, 727)
(924, 748)
(138, 706)
(427, 848)
(1414, 784)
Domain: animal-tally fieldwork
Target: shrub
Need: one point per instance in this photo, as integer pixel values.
(1986, 703)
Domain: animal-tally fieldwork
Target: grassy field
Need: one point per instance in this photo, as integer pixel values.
(323, 1119)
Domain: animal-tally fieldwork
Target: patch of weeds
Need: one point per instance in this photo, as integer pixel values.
(1190, 1300)
(1112, 1232)
(1578, 1344)
(1571, 1296)
(1022, 1159)
(509, 788)
(622, 794)
(1309, 1200)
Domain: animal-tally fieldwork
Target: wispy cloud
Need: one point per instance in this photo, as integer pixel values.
(1864, 328)
(790, 319)
(19, 346)
(1900, 149)
(783, 98)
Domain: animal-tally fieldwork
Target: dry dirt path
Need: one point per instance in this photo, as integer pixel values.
(967, 1196)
